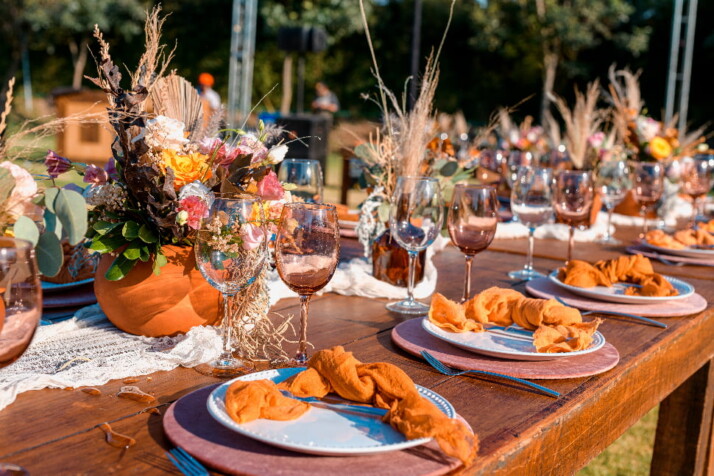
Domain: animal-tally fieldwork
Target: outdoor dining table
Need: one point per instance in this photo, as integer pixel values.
(521, 432)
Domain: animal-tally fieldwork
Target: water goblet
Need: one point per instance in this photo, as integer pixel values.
(231, 249)
(612, 183)
(648, 186)
(305, 175)
(532, 203)
(516, 159)
(696, 182)
(307, 249)
(415, 218)
(573, 201)
(472, 220)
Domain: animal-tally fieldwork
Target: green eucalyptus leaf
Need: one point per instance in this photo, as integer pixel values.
(52, 223)
(130, 230)
(107, 243)
(119, 268)
(146, 235)
(71, 209)
(133, 251)
(145, 254)
(104, 227)
(449, 169)
(50, 197)
(26, 229)
(383, 212)
(50, 255)
(159, 261)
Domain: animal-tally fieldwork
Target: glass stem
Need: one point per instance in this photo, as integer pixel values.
(467, 280)
(227, 318)
(571, 243)
(301, 356)
(531, 242)
(412, 275)
(645, 225)
(608, 236)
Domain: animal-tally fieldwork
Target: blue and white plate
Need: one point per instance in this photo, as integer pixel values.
(513, 343)
(616, 292)
(321, 431)
(55, 287)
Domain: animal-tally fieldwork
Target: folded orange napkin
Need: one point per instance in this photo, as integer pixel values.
(709, 226)
(382, 385)
(507, 306)
(683, 238)
(635, 269)
(663, 240)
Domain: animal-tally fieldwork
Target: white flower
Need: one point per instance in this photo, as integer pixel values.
(647, 128)
(182, 217)
(277, 154)
(165, 133)
(19, 202)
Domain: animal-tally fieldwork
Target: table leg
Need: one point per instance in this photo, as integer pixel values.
(683, 440)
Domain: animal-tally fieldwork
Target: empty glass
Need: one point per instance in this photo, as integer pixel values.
(612, 184)
(696, 182)
(532, 203)
(516, 159)
(472, 220)
(231, 249)
(648, 186)
(306, 253)
(415, 220)
(573, 201)
(305, 175)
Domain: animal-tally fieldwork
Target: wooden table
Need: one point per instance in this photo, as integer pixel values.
(56, 431)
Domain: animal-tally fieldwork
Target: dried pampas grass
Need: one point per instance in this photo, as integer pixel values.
(625, 98)
(7, 107)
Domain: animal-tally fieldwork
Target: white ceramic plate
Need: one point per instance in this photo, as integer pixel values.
(688, 252)
(516, 346)
(53, 287)
(347, 224)
(616, 293)
(321, 431)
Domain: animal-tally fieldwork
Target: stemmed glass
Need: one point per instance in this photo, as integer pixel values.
(696, 182)
(648, 186)
(231, 249)
(516, 159)
(305, 175)
(573, 201)
(612, 183)
(532, 203)
(415, 220)
(306, 253)
(472, 220)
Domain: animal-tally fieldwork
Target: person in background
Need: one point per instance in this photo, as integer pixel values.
(208, 95)
(326, 101)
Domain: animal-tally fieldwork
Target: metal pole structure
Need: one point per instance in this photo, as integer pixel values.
(250, 18)
(673, 61)
(240, 75)
(416, 43)
(301, 84)
(687, 72)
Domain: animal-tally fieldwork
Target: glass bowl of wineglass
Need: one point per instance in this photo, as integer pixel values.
(695, 182)
(648, 186)
(573, 201)
(612, 183)
(305, 177)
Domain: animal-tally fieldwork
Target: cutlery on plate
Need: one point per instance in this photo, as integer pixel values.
(186, 463)
(644, 320)
(512, 332)
(439, 366)
(362, 410)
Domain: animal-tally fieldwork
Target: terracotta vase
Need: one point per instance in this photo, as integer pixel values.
(146, 304)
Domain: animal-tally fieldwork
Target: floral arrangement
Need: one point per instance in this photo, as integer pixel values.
(44, 216)
(167, 161)
(523, 137)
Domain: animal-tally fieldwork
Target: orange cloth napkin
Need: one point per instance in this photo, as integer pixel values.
(709, 226)
(683, 238)
(382, 385)
(635, 269)
(507, 306)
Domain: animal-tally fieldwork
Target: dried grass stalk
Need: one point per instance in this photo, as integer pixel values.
(625, 98)
(154, 56)
(6, 109)
(580, 123)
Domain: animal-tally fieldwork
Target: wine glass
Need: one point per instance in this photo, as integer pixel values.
(20, 298)
(231, 249)
(532, 203)
(696, 182)
(612, 183)
(305, 175)
(648, 186)
(472, 220)
(415, 220)
(573, 201)
(306, 253)
(516, 159)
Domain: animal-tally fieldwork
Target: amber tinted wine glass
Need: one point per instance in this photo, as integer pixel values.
(573, 201)
(696, 182)
(306, 253)
(472, 220)
(648, 186)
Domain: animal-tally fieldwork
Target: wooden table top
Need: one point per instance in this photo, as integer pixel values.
(57, 431)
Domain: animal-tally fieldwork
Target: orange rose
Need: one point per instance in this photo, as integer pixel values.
(187, 167)
(660, 148)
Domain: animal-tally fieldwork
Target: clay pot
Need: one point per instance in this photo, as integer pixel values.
(630, 207)
(146, 304)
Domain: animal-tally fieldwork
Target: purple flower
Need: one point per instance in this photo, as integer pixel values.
(111, 169)
(95, 175)
(56, 164)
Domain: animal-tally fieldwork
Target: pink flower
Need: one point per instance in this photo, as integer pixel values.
(250, 145)
(19, 202)
(269, 188)
(196, 208)
(224, 153)
(252, 236)
(111, 169)
(597, 139)
(95, 175)
(56, 164)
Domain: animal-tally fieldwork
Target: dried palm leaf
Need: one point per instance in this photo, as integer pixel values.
(173, 96)
(625, 97)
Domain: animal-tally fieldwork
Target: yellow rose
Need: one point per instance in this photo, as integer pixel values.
(660, 148)
(187, 168)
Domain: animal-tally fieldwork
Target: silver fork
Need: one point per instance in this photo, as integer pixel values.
(186, 463)
(361, 410)
(440, 367)
(644, 320)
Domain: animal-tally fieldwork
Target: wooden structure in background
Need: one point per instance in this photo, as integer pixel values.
(89, 143)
